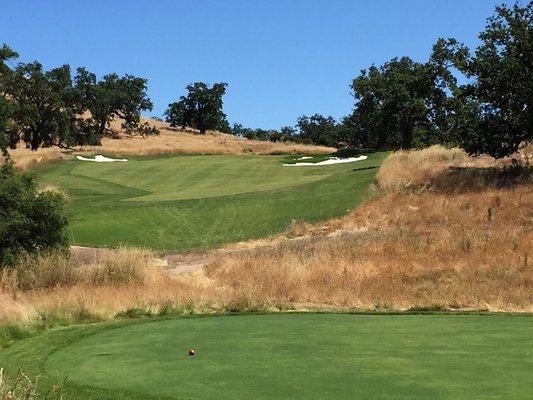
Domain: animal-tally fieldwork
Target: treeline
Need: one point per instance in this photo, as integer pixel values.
(47, 108)
(476, 99)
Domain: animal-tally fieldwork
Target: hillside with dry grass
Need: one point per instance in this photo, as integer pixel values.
(170, 140)
(442, 231)
(439, 231)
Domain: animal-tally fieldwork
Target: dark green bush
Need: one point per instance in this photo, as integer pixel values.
(31, 220)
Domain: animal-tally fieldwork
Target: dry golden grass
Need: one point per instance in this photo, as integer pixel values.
(400, 252)
(36, 286)
(415, 244)
(451, 170)
(168, 141)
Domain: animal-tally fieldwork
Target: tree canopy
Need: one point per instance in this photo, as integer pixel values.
(111, 97)
(201, 108)
(31, 220)
(273, 135)
(43, 105)
(317, 129)
(491, 113)
(7, 125)
(396, 101)
(50, 108)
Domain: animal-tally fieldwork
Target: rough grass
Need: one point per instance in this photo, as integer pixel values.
(169, 141)
(54, 289)
(52, 270)
(21, 387)
(452, 171)
(400, 252)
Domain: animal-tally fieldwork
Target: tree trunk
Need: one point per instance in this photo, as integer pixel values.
(382, 140)
(201, 125)
(407, 135)
(34, 141)
(36, 136)
(101, 127)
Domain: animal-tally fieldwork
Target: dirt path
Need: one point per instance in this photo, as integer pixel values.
(174, 263)
(181, 264)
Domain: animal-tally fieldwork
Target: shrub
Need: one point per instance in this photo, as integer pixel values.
(31, 220)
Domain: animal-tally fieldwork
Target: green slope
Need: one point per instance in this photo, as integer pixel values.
(196, 202)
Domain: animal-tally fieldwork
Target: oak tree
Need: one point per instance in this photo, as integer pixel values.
(201, 108)
(491, 112)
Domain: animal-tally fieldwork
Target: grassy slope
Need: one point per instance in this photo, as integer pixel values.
(308, 356)
(256, 197)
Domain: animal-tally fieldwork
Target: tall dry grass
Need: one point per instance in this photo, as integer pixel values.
(52, 270)
(22, 387)
(436, 234)
(452, 170)
(169, 141)
(400, 252)
(56, 273)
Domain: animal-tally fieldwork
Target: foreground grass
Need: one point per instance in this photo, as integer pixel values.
(196, 202)
(312, 356)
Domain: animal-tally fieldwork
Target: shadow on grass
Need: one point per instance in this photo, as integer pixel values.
(463, 179)
(365, 168)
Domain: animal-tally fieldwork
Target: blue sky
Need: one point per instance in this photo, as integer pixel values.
(280, 58)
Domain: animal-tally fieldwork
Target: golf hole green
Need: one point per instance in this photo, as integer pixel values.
(308, 356)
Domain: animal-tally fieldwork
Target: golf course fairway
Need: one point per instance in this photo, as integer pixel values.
(181, 203)
(292, 356)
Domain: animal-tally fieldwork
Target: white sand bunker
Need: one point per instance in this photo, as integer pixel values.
(101, 158)
(332, 160)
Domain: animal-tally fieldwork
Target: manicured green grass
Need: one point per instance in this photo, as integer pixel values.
(288, 356)
(196, 202)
